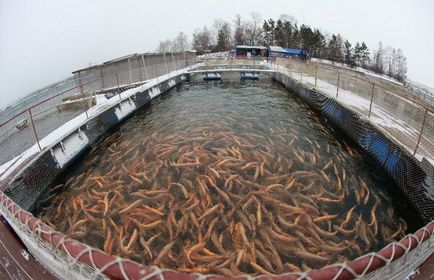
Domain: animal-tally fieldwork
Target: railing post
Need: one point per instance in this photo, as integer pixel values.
(372, 99)
(301, 72)
(144, 67)
(174, 64)
(84, 98)
(316, 73)
(34, 129)
(165, 61)
(184, 64)
(421, 132)
(102, 78)
(130, 70)
(156, 71)
(337, 85)
(119, 89)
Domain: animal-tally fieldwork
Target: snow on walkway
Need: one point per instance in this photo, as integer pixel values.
(398, 130)
(102, 105)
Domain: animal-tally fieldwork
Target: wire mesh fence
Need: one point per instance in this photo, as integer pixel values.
(391, 107)
(94, 86)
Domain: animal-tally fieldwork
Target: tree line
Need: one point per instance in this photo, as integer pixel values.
(287, 33)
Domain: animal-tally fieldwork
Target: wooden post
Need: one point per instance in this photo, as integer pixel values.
(372, 99)
(421, 132)
(316, 73)
(34, 130)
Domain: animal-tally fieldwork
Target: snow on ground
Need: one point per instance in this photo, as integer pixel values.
(214, 55)
(102, 105)
(380, 117)
(357, 69)
(100, 99)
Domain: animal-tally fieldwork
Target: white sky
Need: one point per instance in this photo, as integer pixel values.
(43, 41)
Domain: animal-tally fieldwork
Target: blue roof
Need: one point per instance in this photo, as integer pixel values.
(293, 51)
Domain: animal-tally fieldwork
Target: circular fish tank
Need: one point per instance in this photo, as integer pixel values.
(229, 178)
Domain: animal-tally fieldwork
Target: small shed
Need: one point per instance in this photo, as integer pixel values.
(248, 51)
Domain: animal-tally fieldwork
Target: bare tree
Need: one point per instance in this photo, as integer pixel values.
(401, 66)
(202, 40)
(165, 46)
(223, 29)
(180, 43)
(239, 31)
(253, 29)
(378, 59)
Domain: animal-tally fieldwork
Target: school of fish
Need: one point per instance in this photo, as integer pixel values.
(224, 197)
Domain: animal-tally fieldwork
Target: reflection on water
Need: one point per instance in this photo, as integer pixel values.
(227, 178)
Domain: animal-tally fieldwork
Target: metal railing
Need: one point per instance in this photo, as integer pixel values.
(402, 114)
(74, 259)
(39, 118)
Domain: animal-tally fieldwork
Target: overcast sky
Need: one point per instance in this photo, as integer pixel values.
(43, 41)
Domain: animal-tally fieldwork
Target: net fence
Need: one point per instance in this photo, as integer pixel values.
(404, 116)
(405, 119)
(67, 257)
(27, 123)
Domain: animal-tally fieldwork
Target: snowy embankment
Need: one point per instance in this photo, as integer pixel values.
(358, 69)
(214, 55)
(102, 104)
(397, 129)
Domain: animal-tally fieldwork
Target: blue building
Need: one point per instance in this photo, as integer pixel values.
(276, 51)
(300, 53)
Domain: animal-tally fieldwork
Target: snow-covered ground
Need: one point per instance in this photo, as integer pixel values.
(395, 128)
(357, 69)
(102, 104)
(214, 55)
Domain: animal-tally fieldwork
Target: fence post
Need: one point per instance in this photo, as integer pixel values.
(174, 64)
(83, 96)
(34, 130)
(119, 89)
(316, 73)
(130, 70)
(337, 84)
(421, 132)
(144, 67)
(184, 62)
(372, 99)
(301, 72)
(102, 77)
(165, 61)
(156, 71)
